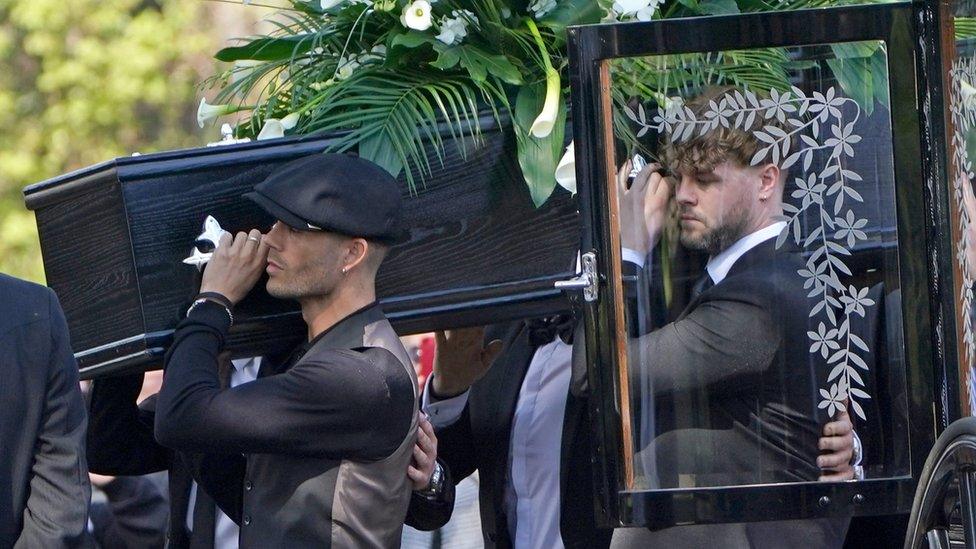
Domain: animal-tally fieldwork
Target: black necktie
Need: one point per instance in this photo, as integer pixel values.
(703, 283)
(204, 521)
(544, 330)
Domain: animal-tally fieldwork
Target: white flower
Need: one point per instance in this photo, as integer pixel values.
(641, 9)
(345, 68)
(455, 27)
(377, 53)
(329, 4)
(416, 15)
(207, 112)
(543, 124)
(273, 128)
(541, 7)
(566, 169)
(290, 121)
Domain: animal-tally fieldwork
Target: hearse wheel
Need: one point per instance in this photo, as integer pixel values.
(944, 510)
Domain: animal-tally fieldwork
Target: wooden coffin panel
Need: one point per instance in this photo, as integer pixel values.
(477, 252)
(92, 232)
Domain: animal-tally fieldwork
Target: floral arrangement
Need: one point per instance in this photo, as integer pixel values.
(391, 75)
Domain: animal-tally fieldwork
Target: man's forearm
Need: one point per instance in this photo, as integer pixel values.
(190, 379)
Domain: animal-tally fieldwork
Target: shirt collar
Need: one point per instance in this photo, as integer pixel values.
(718, 266)
(241, 363)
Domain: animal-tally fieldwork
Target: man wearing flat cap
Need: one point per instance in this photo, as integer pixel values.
(328, 434)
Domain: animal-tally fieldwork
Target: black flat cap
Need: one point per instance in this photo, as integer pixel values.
(336, 193)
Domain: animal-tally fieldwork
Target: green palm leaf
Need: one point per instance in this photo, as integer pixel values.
(394, 117)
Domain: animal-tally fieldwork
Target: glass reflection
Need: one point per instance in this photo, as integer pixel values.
(961, 104)
(760, 265)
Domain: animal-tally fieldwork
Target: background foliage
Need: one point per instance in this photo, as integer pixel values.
(89, 80)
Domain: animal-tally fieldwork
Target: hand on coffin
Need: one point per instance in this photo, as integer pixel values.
(460, 359)
(643, 206)
(236, 265)
(837, 449)
(424, 454)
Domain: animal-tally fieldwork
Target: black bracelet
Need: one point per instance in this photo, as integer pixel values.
(218, 297)
(201, 300)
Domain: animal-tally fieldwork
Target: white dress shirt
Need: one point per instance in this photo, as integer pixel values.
(226, 533)
(532, 487)
(718, 267)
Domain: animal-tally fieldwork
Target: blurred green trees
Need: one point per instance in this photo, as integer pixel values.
(88, 80)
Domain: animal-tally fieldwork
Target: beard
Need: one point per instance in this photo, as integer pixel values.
(714, 240)
(313, 280)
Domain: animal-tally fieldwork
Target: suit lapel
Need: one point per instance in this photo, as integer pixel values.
(760, 254)
(516, 362)
(572, 421)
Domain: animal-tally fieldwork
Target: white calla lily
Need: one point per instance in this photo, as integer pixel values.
(290, 121)
(329, 4)
(566, 169)
(416, 15)
(272, 129)
(207, 112)
(543, 124)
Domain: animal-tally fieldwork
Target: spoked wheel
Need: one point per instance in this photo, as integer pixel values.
(944, 511)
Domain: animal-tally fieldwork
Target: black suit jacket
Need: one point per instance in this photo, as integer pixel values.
(44, 488)
(133, 515)
(480, 439)
(740, 350)
(121, 442)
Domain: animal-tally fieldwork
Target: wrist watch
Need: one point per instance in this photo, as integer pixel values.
(436, 483)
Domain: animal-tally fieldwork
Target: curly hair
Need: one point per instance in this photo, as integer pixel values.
(703, 153)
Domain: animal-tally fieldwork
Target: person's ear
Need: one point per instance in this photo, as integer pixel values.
(356, 251)
(768, 180)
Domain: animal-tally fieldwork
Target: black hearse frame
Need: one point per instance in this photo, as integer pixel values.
(925, 251)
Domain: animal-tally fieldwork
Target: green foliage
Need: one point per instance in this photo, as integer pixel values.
(537, 157)
(359, 68)
(86, 81)
(340, 69)
(862, 70)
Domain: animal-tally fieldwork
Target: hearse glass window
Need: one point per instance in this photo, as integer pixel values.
(961, 105)
(758, 242)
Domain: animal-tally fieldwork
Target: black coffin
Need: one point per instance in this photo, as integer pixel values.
(113, 237)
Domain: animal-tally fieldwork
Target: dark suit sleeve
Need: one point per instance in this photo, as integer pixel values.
(455, 452)
(56, 514)
(133, 516)
(221, 476)
(364, 404)
(727, 335)
(430, 513)
(120, 433)
(456, 448)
